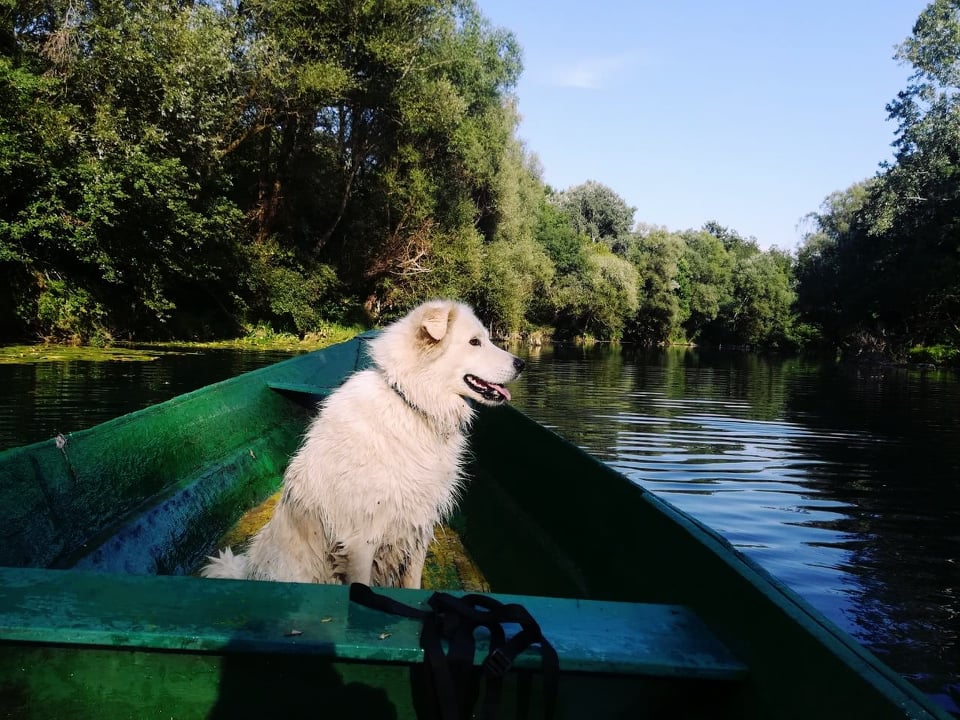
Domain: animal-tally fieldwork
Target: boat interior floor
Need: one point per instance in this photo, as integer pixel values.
(448, 566)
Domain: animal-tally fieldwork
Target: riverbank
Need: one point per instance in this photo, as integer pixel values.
(260, 339)
(265, 338)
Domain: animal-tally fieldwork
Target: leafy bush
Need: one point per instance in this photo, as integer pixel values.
(599, 301)
(292, 296)
(67, 312)
(935, 354)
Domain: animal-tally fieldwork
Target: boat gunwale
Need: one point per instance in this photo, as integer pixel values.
(837, 641)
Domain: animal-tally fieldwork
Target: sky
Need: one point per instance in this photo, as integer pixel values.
(746, 112)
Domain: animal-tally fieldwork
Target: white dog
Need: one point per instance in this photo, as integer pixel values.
(381, 463)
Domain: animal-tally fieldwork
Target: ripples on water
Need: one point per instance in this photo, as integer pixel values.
(844, 485)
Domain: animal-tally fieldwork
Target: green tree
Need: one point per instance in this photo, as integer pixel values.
(759, 309)
(704, 281)
(881, 269)
(655, 253)
(35, 143)
(559, 238)
(413, 137)
(599, 213)
(125, 218)
(830, 290)
(515, 275)
(914, 210)
(181, 166)
(601, 299)
(733, 242)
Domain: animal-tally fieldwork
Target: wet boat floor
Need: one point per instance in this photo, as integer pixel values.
(448, 565)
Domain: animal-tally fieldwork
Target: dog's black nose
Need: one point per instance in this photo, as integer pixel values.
(519, 364)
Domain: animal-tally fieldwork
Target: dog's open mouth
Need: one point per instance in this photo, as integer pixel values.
(487, 390)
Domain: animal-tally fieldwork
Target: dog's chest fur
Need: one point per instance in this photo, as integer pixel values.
(372, 458)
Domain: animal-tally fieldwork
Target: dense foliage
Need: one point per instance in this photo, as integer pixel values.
(191, 168)
(196, 169)
(880, 271)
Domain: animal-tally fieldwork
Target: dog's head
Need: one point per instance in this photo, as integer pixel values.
(461, 343)
(440, 349)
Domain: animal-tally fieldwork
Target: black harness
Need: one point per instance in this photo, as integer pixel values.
(446, 686)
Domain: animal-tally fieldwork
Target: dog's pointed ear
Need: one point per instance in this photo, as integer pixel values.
(435, 320)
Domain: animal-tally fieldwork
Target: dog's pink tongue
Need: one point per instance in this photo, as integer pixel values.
(502, 390)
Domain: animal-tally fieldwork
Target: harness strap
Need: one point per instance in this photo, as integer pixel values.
(363, 595)
(451, 678)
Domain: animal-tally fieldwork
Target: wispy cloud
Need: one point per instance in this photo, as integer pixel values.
(595, 72)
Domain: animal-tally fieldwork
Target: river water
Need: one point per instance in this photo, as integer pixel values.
(843, 482)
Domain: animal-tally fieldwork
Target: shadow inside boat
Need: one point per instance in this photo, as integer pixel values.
(298, 686)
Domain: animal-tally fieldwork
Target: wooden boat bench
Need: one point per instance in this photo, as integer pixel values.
(192, 614)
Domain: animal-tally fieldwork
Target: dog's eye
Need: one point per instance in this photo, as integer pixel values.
(475, 342)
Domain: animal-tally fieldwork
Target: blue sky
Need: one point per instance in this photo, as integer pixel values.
(747, 112)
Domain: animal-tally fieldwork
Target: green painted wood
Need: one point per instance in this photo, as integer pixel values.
(55, 500)
(175, 533)
(629, 545)
(40, 682)
(43, 682)
(313, 391)
(38, 606)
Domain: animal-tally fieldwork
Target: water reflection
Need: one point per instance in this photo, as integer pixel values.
(43, 399)
(844, 484)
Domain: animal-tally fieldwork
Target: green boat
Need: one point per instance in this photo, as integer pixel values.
(652, 614)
